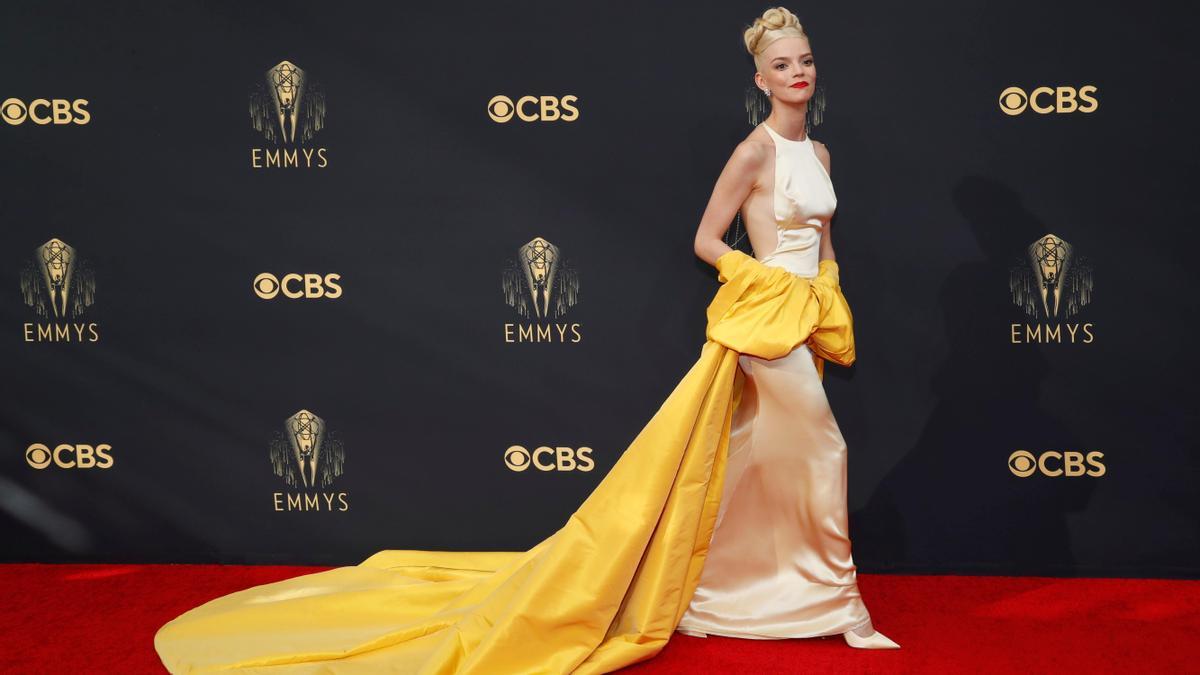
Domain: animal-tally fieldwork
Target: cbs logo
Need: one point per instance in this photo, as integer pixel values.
(1045, 100)
(267, 286)
(546, 458)
(42, 111)
(533, 108)
(1053, 463)
(68, 456)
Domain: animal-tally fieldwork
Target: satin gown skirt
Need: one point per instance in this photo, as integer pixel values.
(779, 563)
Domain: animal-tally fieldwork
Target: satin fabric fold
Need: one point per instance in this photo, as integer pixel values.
(605, 591)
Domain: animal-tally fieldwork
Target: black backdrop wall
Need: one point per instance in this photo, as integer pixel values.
(154, 415)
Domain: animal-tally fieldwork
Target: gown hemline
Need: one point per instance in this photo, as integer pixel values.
(762, 636)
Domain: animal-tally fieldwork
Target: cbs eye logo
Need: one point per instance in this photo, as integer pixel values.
(545, 458)
(42, 111)
(68, 456)
(1053, 463)
(1014, 100)
(267, 286)
(534, 108)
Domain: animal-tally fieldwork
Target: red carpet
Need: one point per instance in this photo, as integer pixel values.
(102, 618)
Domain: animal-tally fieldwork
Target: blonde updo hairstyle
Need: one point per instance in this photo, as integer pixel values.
(775, 23)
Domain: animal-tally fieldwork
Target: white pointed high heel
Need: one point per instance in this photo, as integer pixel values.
(693, 633)
(875, 640)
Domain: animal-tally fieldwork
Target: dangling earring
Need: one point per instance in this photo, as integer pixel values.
(758, 104)
(816, 108)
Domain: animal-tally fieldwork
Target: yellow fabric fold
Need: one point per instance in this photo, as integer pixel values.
(603, 592)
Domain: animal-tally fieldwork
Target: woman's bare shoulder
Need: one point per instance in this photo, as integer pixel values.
(753, 151)
(822, 152)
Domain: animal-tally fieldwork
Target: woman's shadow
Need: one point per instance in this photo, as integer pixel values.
(951, 504)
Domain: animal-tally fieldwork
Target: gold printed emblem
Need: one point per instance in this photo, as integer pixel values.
(538, 283)
(56, 283)
(1053, 277)
(304, 454)
(288, 107)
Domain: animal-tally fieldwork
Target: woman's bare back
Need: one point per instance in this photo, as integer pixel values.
(758, 209)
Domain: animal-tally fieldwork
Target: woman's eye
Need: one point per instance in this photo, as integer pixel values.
(808, 62)
(780, 66)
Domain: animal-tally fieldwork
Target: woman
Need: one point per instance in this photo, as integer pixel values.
(611, 586)
(780, 563)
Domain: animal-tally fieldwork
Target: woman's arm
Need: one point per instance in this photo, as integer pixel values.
(826, 234)
(732, 187)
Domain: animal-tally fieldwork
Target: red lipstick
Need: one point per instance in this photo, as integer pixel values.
(798, 85)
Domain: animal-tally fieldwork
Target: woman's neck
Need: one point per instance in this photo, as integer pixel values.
(788, 120)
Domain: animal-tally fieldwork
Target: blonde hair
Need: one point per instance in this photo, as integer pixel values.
(775, 23)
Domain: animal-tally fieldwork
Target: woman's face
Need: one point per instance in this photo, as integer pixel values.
(786, 68)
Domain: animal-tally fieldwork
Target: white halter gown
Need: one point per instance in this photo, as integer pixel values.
(779, 564)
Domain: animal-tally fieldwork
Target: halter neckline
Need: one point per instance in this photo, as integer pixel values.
(778, 136)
